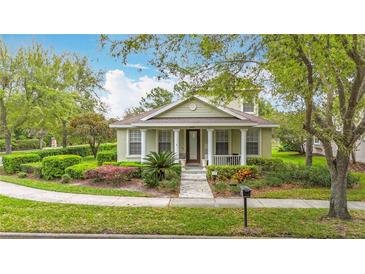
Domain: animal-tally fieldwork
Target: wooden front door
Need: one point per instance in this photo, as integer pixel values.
(193, 146)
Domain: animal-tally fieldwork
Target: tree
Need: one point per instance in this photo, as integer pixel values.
(291, 133)
(323, 73)
(92, 128)
(155, 98)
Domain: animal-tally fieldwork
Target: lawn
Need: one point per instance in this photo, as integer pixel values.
(28, 216)
(296, 158)
(354, 194)
(56, 186)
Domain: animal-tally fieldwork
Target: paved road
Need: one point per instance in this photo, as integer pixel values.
(27, 193)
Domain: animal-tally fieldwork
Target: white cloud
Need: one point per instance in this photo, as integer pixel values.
(137, 66)
(124, 92)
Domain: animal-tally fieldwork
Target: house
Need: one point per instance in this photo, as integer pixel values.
(359, 149)
(197, 131)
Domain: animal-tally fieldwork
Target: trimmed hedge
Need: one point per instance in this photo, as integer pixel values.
(78, 171)
(35, 168)
(137, 165)
(106, 156)
(266, 164)
(309, 176)
(82, 150)
(12, 162)
(110, 173)
(21, 144)
(54, 166)
(108, 146)
(227, 172)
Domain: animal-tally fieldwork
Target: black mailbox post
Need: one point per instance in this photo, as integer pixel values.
(246, 193)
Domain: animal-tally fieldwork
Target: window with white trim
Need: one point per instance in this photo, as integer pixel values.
(134, 138)
(164, 140)
(316, 141)
(252, 144)
(248, 107)
(221, 142)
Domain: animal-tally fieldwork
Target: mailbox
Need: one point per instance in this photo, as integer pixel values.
(245, 191)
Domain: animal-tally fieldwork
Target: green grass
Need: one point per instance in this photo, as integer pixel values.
(296, 158)
(354, 194)
(28, 216)
(56, 186)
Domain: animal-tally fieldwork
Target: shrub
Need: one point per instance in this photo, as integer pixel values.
(34, 168)
(150, 179)
(243, 174)
(160, 164)
(310, 176)
(106, 156)
(12, 162)
(65, 179)
(54, 166)
(108, 146)
(109, 173)
(21, 174)
(227, 172)
(81, 150)
(78, 171)
(139, 166)
(21, 144)
(266, 164)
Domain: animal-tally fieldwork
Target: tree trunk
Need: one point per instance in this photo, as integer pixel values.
(4, 123)
(338, 199)
(64, 134)
(353, 156)
(309, 150)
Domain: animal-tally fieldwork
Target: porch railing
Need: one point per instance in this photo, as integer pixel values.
(230, 160)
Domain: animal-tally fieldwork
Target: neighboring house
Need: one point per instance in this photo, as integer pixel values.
(359, 149)
(197, 131)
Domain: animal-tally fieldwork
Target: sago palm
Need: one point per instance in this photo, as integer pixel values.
(159, 164)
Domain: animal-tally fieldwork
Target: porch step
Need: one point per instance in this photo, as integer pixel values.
(194, 184)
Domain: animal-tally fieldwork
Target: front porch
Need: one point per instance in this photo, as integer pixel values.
(199, 146)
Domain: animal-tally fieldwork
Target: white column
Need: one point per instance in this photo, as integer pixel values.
(210, 146)
(176, 143)
(243, 145)
(143, 144)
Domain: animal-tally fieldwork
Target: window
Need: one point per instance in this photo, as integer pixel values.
(134, 142)
(164, 140)
(221, 143)
(317, 141)
(252, 145)
(248, 107)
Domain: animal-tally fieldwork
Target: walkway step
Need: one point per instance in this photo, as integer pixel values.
(195, 185)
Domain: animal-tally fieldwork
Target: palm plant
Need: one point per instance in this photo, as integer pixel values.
(160, 164)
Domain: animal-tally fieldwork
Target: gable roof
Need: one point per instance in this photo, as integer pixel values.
(150, 118)
(177, 103)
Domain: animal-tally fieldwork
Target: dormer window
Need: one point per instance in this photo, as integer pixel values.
(248, 107)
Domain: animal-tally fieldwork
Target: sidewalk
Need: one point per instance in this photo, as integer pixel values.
(27, 193)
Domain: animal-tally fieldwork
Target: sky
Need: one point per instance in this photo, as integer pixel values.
(124, 84)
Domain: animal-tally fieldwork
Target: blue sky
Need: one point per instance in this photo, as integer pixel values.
(85, 45)
(125, 85)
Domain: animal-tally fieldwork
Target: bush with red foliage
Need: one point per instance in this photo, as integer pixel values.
(109, 173)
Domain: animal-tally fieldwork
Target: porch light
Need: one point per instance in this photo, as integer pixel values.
(246, 193)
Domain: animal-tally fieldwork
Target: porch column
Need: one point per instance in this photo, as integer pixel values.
(176, 143)
(210, 146)
(143, 144)
(243, 145)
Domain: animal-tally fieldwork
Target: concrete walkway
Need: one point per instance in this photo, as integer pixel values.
(27, 193)
(194, 183)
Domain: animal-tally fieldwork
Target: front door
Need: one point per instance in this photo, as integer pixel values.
(193, 146)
